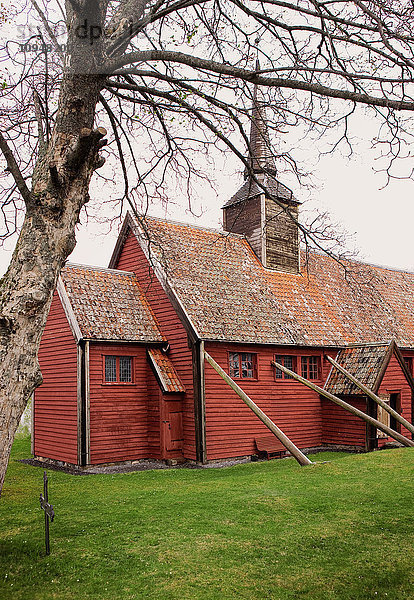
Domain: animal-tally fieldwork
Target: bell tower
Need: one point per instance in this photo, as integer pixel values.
(267, 225)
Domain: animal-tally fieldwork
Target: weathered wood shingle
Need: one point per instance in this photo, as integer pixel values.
(229, 295)
(109, 305)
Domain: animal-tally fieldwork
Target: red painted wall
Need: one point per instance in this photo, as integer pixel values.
(342, 427)
(132, 258)
(55, 416)
(394, 381)
(119, 415)
(231, 426)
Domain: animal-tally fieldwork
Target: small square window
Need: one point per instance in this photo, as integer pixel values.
(310, 367)
(118, 369)
(243, 365)
(288, 362)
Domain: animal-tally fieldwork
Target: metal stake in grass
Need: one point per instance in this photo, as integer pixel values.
(49, 512)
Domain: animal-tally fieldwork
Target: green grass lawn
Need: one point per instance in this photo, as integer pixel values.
(269, 530)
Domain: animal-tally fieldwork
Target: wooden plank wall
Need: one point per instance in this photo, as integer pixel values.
(118, 411)
(282, 238)
(55, 417)
(231, 426)
(246, 218)
(132, 258)
(394, 381)
(342, 427)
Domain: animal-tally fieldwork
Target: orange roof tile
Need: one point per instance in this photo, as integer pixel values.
(229, 295)
(165, 371)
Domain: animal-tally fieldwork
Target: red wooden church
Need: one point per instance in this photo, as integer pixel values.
(122, 355)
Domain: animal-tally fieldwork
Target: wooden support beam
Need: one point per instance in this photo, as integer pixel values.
(355, 411)
(373, 396)
(300, 457)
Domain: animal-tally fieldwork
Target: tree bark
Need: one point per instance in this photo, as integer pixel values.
(60, 189)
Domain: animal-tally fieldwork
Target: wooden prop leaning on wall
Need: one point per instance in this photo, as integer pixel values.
(288, 444)
(373, 396)
(355, 411)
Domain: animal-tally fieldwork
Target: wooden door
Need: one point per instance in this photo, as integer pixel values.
(172, 425)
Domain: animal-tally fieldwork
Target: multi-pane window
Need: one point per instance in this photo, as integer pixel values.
(243, 365)
(125, 374)
(110, 368)
(287, 361)
(118, 369)
(309, 367)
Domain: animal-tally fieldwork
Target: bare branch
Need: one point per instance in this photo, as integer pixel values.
(253, 77)
(13, 167)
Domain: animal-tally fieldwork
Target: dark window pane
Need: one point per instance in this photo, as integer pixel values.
(304, 361)
(247, 365)
(288, 363)
(279, 373)
(125, 371)
(313, 367)
(234, 364)
(110, 368)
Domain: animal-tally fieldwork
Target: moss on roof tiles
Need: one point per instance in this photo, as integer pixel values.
(109, 305)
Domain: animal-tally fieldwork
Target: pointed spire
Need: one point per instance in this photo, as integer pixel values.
(260, 154)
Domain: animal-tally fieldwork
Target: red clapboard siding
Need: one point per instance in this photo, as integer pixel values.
(231, 426)
(55, 406)
(341, 426)
(154, 401)
(133, 259)
(394, 381)
(118, 412)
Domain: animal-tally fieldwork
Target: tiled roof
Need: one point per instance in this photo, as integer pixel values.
(109, 305)
(251, 188)
(229, 295)
(164, 370)
(364, 363)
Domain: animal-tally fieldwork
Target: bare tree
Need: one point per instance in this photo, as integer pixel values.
(169, 79)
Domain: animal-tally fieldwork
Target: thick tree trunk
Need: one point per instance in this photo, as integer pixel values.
(60, 189)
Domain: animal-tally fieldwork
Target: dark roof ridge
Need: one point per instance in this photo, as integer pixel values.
(203, 227)
(96, 268)
(366, 345)
(368, 264)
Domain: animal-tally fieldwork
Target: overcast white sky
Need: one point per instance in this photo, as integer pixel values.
(381, 220)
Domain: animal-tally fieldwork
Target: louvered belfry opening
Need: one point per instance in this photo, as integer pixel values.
(271, 232)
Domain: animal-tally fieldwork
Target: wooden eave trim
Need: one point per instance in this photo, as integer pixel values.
(168, 289)
(400, 359)
(275, 344)
(123, 234)
(383, 368)
(158, 344)
(70, 315)
(331, 369)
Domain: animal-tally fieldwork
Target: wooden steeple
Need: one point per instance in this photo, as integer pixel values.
(270, 230)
